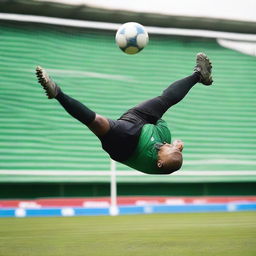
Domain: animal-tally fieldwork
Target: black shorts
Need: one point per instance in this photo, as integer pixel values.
(122, 138)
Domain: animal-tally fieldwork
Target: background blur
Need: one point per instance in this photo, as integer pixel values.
(46, 153)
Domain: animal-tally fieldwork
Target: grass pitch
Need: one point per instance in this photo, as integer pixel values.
(196, 234)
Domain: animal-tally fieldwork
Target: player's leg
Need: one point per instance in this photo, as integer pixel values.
(153, 109)
(99, 125)
(178, 90)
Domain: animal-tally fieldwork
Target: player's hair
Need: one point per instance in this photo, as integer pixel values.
(173, 163)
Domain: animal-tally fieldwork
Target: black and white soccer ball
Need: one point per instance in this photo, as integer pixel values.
(131, 37)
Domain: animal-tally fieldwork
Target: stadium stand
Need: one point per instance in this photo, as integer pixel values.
(217, 123)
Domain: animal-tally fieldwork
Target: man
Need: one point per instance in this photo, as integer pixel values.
(139, 138)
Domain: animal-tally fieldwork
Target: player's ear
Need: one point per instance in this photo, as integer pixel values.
(159, 164)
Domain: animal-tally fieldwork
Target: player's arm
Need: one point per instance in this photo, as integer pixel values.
(178, 144)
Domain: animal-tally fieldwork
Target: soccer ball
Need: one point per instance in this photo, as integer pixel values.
(131, 37)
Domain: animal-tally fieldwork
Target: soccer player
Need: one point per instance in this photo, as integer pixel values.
(139, 138)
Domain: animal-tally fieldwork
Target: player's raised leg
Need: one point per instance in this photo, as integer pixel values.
(153, 109)
(99, 125)
(179, 89)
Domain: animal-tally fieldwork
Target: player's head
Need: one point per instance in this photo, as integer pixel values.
(170, 156)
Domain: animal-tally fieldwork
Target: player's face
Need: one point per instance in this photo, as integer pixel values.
(167, 148)
(169, 155)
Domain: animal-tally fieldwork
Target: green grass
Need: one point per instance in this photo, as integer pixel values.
(196, 234)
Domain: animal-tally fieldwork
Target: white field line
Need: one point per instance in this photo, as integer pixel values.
(121, 173)
(95, 159)
(220, 161)
(115, 26)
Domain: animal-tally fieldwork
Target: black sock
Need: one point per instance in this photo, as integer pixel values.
(76, 109)
(178, 90)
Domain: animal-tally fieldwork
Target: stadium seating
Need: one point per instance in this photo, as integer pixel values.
(217, 123)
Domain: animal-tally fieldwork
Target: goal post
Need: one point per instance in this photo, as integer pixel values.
(113, 210)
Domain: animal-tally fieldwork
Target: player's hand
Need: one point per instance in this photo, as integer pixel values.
(178, 144)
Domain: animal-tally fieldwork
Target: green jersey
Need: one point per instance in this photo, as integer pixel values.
(144, 158)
